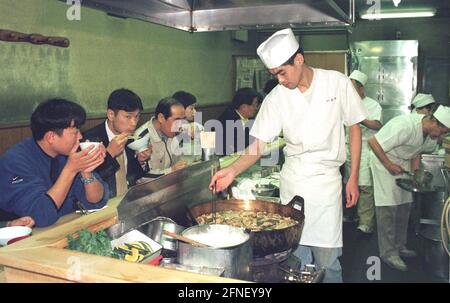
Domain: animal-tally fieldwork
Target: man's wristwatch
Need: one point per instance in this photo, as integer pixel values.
(88, 180)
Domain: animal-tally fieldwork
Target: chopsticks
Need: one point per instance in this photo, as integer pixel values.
(134, 137)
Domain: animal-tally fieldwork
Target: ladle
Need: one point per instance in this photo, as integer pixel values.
(184, 239)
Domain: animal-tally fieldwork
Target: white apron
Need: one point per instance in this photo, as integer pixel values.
(402, 140)
(321, 188)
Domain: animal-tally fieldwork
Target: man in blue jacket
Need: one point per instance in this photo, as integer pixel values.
(45, 176)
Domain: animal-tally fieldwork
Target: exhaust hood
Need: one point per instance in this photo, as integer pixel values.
(220, 15)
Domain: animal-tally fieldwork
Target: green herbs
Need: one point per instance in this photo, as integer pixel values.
(97, 243)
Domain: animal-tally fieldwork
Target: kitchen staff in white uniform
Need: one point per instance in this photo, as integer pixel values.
(393, 148)
(424, 104)
(311, 107)
(369, 127)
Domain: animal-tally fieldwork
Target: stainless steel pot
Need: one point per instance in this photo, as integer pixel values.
(264, 242)
(234, 259)
(154, 230)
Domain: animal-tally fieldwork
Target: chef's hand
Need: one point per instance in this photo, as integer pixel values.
(179, 165)
(144, 155)
(117, 145)
(24, 221)
(352, 192)
(395, 169)
(222, 179)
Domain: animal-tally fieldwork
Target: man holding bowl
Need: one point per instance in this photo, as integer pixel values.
(123, 166)
(45, 176)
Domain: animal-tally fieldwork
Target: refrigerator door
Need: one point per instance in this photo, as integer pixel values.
(391, 67)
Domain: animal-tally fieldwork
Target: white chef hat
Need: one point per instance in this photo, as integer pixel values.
(278, 48)
(421, 100)
(359, 76)
(442, 114)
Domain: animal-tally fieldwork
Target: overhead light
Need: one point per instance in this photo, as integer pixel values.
(398, 14)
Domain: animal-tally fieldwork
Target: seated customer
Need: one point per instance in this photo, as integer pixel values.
(45, 176)
(163, 127)
(236, 122)
(122, 166)
(24, 221)
(191, 145)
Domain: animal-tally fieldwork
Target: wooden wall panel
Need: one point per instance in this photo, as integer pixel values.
(327, 60)
(11, 135)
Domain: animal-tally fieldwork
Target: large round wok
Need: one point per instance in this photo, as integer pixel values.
(266, 241)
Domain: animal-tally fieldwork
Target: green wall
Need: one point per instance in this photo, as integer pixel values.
(106, 53)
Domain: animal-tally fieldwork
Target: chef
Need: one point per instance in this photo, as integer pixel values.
(311, 107)
(398, 142)
(423, 104)
(365, 206)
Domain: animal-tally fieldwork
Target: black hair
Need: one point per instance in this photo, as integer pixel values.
(56, 115)
(244, 95)
(270, 84)
(290, 61)
(124, 99)
(260, 98)
(164, 106)
(185, 98)
(430, 107)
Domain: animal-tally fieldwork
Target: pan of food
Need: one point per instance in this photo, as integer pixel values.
(273, 227)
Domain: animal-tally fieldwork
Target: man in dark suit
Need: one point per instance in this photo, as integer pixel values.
(122, 166)
(236, 121)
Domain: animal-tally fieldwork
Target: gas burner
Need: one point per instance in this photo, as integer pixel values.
(308, 275)
(265, 269)
(274, 268)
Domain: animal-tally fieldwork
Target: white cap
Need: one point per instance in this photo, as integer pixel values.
(278, 48)
(443, 115)
(421, 100)
(359, 76)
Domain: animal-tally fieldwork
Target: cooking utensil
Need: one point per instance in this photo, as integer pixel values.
(423, 178)
(264, 189)
(184, 239)
(266, 241)
(234, 256)
(409, 174)
(154, 229)
(411, 186)
(214, 193)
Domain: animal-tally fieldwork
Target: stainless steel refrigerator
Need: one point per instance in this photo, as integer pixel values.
(392, 70)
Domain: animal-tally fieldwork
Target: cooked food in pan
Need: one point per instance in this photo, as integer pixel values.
(255, 221)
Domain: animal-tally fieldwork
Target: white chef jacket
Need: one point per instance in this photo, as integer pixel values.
(373, 113)
(430, 144)
(402, 140)
(313, 127)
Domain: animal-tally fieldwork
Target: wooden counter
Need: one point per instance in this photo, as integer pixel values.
(42, 257)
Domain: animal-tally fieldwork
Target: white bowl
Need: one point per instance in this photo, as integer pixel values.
(140, 144)
(9, 233)
(84, 145)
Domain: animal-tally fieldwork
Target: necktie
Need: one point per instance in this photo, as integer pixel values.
(54, 169)
(121, 176)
